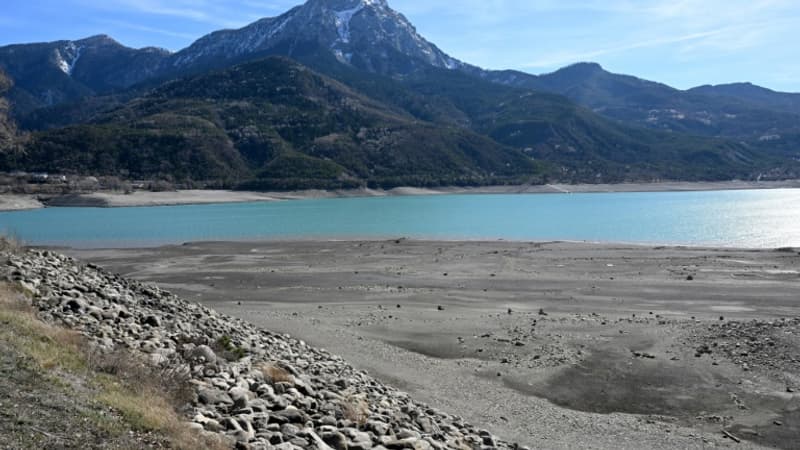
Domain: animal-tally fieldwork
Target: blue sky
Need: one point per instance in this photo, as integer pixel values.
(683, 43)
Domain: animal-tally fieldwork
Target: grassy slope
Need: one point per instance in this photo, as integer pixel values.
(64, 396)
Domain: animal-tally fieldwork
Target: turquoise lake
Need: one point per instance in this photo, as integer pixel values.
(758, 219)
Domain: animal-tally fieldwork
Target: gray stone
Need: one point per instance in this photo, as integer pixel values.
(240, 397)
(379, 428)
(289, 430)
(203, 351)
(336, 440)
(299, 442)
(213, 426)
(285, 446)
(289, 416)
(152, 321)
(407, 434)
(75, 305)
(213, 396)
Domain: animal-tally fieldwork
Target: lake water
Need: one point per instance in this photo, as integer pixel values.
(758, 218)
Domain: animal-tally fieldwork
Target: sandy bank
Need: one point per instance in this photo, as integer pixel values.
(11, 202)
(187, 197)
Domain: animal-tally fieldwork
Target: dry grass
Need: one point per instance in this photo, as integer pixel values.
(146, 397)
(149, 410)
(276, 374)
(10, 243)
(355, 409)
(169, 380)
(49, 347)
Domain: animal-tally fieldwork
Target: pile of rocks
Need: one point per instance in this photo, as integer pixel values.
(259, 389)
(755, 344)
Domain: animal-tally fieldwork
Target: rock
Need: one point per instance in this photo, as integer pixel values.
(203, 351)
(213, 426)
(75, 304)
(407, 434)
(396, 444)
(379, 428)
(302, 443)
(213, 396)
(289, 430)
(289, 416)
(240, 397)
(152, 321)
(336, 440)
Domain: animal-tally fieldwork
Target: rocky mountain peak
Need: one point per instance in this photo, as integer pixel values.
(340, 5)
(99, 40)
(367, 34)
(582, 69)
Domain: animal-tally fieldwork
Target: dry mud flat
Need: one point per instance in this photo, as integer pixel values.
(554, 345)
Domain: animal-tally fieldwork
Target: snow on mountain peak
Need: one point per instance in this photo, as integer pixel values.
(344, 17)
(363, 31)
(67, 57)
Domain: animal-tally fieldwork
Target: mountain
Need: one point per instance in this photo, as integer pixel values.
(585, 146)
(274, 123)
(756, 95)
(46, 74)
(366, 34)
(744, 112)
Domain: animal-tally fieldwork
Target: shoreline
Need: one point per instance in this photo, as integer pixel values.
(20, 202)
(289, 240)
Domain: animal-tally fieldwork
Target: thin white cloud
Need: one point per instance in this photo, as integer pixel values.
(547, 34)
(562, 58)
(728, 39)
(146, 29)
(217, 13)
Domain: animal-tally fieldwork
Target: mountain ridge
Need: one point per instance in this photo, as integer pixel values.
(50, 73)
(344, 26)
(274, 123)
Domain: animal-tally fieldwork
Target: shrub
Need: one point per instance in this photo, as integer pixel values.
(225, 348)
(355, 409)
(275, 374)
